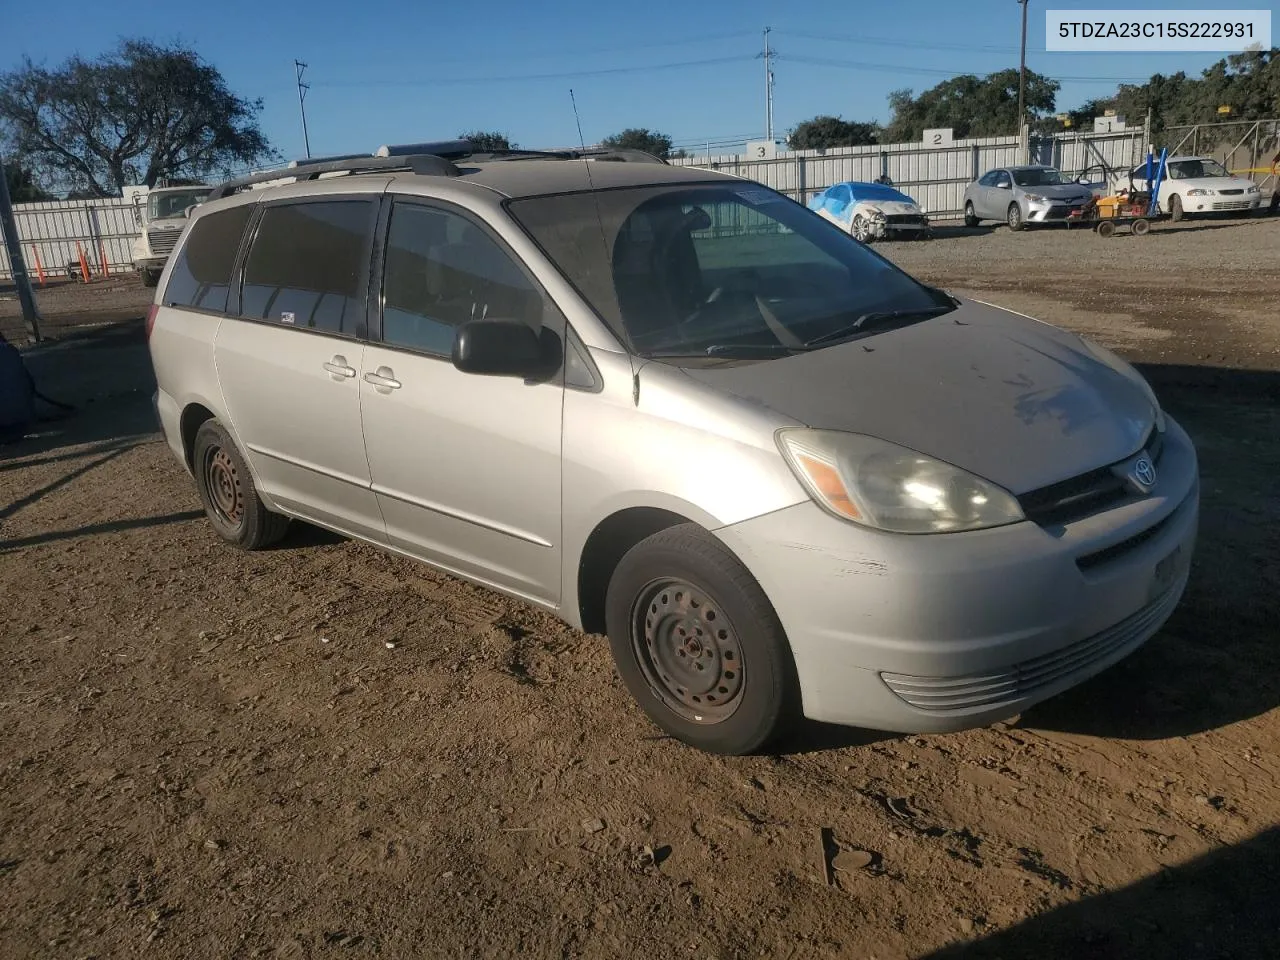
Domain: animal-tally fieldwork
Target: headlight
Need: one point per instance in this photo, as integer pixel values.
(1126, 369)
(1036, 198)
(882, 485)
(876, 214)
(1199, 192)
(1253, 188)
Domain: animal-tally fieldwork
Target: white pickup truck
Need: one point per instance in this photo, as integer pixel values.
(161, 213)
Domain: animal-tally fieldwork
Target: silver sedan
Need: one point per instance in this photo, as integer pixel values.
(1022, 195)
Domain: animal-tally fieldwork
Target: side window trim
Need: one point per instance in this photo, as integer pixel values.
(551, 311)
(362, 284)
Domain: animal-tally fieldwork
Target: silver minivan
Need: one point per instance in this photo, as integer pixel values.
(673, 406)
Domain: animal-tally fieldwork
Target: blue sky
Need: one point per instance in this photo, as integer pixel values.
(395, 72)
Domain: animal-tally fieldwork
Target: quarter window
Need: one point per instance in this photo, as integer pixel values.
(201, 276)
(308, 264)
(442, 270)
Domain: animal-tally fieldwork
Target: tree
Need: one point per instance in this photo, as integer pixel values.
(641, 138)
(488, 141)
(971, 106)
(135, 115)
(826, 131)
(22, 185)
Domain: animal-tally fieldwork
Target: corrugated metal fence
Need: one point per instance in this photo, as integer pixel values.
(52, 229)
(934, 176)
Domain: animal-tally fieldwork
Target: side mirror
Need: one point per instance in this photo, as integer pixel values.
(505, 348)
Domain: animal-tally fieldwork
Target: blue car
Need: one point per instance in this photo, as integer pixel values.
(872, 211)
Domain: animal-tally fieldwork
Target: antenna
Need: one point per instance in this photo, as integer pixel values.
(299, 67)
(578, 120)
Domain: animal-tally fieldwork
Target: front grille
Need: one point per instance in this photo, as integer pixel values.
(1084, 494)
(938, 694)
(1230, 193)
(1117, 550)
(1231, 205)
(911, 219)
(162, 241)
(1059, 213)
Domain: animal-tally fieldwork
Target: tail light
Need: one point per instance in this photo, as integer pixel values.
(151, 317)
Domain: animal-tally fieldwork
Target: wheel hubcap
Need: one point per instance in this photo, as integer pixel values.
(688, 651)
(223, 482)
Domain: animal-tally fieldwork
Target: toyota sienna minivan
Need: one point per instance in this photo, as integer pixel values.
(673, 406)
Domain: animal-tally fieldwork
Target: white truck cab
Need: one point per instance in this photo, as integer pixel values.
(161, 213)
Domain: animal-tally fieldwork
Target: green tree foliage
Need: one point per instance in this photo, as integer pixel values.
(826, 131)
(971, 106)
(486, 141)
(1248, 83)
(22, 185)
(137, 114)
(641, 138)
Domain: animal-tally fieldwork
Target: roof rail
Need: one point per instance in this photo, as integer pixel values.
(337, 156)
(448, 149)
(424, 164)
(619, 155)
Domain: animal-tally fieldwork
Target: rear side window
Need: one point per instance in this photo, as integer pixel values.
(308, 265)
(201, 276)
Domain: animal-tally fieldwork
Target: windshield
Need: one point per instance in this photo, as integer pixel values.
(1038, 177)
(725, 269)
(161, 206)
(1193, 169)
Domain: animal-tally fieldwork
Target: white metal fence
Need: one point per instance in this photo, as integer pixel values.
(934, 176)
(50, 231)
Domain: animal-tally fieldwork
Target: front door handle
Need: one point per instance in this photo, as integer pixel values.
(383, 378)
(339, 369)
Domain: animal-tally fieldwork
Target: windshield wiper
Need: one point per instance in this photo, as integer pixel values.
(724, 350)
(876, 318)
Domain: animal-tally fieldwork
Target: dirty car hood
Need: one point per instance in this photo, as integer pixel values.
(1019, 402)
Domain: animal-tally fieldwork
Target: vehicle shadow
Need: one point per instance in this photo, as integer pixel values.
(946, 231)
(1219, 905)
(809, 736)
(1216, 661)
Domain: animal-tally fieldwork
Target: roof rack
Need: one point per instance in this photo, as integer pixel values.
(423, 164)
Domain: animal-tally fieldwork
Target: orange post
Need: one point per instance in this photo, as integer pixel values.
(102, 255)
(84, 264)
(35, 255)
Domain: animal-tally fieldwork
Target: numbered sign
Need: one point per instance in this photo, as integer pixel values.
(938, 138)
(761, 149)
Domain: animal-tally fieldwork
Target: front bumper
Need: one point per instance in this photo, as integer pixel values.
(926, 634)
(883, 228)
(1052, 211)
(1222, 203)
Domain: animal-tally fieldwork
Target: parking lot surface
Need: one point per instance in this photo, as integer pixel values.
(323, 750)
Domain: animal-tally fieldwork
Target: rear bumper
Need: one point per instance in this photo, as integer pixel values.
(170, 418)
(935, 633)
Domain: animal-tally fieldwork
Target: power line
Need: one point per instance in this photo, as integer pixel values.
(891, 42)
(931, 71)
(522, 77)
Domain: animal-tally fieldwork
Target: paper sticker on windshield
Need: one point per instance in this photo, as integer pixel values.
(758, 196)
(288, 316)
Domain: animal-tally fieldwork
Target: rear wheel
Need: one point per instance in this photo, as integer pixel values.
(1014, 217)
(1175, 208)
(970, 217)
(226, 489)
(1141, 228)
(698, 644)
(1106, 228)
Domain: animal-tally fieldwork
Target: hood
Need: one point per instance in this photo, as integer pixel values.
(1066, 191)
(1209, 183)
(1016, 401)
(888, 207)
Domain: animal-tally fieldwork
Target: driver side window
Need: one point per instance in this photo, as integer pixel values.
(441, 271)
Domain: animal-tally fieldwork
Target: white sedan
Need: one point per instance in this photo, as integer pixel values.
(1197, 185)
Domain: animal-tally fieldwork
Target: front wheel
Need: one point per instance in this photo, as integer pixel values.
(862, 229)
(226, 489)
(970, 217)
(698, 644)
(1175, 208)
(1015, 217)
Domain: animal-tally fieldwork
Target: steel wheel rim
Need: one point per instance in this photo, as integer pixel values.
(688, 651)
(222, 480)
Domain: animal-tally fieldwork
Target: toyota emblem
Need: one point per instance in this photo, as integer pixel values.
(1143, 474)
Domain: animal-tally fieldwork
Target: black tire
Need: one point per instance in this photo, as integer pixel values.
(743, 663)
(1141, 227)
(226, 490)
(1106, 228)
(1175, 208)
(970, 218)
(150, 278)
(1014, 217)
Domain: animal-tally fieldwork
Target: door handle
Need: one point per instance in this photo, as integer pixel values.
(383, 378)
(339, 369)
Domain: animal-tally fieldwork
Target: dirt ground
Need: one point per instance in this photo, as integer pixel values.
(321, 750)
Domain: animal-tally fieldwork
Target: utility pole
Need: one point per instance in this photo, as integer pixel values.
(17, 265)
(299, 67)
(1022, 70)
(768, 86)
